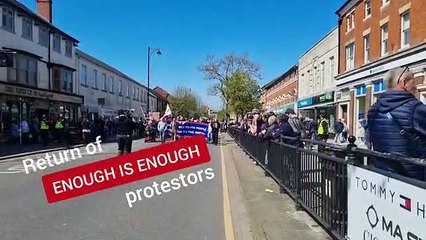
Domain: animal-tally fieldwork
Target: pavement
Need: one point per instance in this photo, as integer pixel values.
(271, 215)
(230, 206)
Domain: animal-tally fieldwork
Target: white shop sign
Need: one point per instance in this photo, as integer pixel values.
(383, 208)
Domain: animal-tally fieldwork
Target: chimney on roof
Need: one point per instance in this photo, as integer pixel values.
(44, 9)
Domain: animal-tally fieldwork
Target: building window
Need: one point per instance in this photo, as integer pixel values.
(95, 78)
(134, 92)
(120, 87)
(361, 91)
(112, 84)
(367, 8)
(137, 94)
(83, 76)
(367, 48)
(27, 28)
(385, 42)
(332, 67)
(62, 80)
(24, 71)
(8, 19)
(405, 29)
(385, 2)
(379, 87)
(322, 75)
(350, 21)
(350, 56)
(68, 48)
(43, 36)
(57, 43)
(127, 91)
(104, 82)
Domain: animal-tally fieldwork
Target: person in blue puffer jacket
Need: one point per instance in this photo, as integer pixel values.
(397, 124)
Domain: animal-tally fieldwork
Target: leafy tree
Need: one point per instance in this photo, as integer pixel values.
(244, 93)
(186, 103)
(220, 70)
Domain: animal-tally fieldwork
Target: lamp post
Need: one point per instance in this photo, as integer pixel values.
(150, 52)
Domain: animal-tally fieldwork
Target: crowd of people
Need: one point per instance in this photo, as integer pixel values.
(272, 126)
(395, 124)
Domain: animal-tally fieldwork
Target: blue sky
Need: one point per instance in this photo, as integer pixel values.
(274, 32)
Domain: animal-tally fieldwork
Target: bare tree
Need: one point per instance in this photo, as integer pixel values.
(220, 70)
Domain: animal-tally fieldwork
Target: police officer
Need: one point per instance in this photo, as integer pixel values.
(124, 127)
(44, 130)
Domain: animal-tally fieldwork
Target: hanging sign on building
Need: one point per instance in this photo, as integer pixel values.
(40, 94)
(381, 207)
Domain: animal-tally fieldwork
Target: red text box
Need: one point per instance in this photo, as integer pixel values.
(128, 168)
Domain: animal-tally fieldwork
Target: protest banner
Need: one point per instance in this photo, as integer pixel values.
(188, 129)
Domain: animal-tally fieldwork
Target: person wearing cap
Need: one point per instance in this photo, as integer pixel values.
(124, 127)
(397, 124)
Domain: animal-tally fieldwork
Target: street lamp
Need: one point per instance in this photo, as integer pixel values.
(150, 52)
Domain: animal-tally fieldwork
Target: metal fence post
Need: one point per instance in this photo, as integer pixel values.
(298, 173)
(350, 154)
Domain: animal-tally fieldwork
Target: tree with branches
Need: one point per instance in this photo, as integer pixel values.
(220, 70)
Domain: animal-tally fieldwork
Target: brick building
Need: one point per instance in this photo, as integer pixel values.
(375, 36)
(280, 94)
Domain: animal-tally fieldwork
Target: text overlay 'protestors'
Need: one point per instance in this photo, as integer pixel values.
(128, 168)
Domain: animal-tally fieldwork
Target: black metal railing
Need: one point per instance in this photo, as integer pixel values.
(316, 179)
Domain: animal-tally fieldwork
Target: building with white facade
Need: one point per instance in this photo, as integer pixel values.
(317, 69)
(40, 77)
(107, 90)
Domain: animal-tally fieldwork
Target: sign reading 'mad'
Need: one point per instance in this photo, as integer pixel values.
(382, 208)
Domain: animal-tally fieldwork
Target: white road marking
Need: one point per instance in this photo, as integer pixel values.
(15, 169)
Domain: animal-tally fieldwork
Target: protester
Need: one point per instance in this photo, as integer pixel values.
(296, 124)
(85, 125)
(345, 131)
(162, 127)
(25, 128)
(215, 131)
(125, 127)
(34, 129)
(284, 129)
(209, 133)
(397, 124)
(272, 127)
(338, 130)
(174, 127)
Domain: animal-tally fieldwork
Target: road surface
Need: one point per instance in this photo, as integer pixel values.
(195, 212)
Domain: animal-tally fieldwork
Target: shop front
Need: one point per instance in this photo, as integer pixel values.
(18, 103)
(322, 104)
